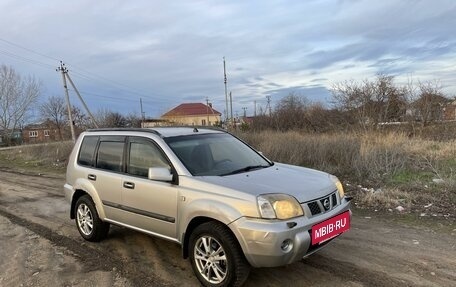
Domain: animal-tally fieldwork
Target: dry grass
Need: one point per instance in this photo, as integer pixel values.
(367, 156)
(403, 168)
(51, 157)
(387, 198)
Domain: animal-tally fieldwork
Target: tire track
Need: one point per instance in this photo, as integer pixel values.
(93, 258)
(351, 272)
(144, 261)
(43, 183)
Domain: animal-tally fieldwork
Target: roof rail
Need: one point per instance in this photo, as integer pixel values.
(197, 127)
(152, 130)
(149, 130)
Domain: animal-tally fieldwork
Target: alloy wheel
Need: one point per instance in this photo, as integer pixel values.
(210, 259)
(85, 219)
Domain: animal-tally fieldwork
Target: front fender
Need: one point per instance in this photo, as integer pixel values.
(209, 208)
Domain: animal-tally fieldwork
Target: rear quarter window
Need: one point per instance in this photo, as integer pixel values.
(87, 151)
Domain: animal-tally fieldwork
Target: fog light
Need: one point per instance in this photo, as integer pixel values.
(287, 245)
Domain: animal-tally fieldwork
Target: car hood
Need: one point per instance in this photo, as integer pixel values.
(303, 183)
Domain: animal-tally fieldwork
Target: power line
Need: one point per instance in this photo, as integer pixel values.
(84, 73)
(94, 76)
(118, 99)
(31, 61)
(29, 50)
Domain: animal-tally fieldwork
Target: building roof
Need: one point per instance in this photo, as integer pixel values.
(191, 109)
(38, 126)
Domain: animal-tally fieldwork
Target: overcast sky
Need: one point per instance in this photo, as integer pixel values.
(170, 52)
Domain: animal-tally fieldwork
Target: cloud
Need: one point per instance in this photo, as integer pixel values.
(170, 52)
(314, 93)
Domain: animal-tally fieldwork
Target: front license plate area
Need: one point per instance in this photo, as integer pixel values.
(330, 228)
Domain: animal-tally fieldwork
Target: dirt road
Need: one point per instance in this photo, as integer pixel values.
(40, 246)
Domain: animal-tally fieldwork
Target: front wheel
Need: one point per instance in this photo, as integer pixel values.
(216, 256)
(89, 225)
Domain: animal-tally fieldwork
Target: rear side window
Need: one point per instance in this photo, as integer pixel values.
(89, 143)
(110, 155)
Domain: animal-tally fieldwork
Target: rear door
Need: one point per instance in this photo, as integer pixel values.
(106, 175)
(149, 205)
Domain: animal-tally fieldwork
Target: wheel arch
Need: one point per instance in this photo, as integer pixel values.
(194, 223)
(76, 195)
(83, 187)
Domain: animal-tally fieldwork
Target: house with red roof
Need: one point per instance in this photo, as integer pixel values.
(193, 114)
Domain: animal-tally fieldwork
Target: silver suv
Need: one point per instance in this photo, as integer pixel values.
(227, 205)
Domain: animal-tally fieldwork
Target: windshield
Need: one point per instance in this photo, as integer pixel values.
(215, 154)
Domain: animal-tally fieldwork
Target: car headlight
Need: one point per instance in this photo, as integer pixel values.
(339, 186)
(279, 206)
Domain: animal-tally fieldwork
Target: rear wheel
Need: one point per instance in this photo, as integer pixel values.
(216, 256)
(89, 225)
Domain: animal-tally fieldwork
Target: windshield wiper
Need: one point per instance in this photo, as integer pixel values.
(245, 169)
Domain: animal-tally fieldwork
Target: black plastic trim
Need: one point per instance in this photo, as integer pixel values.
(140, 212)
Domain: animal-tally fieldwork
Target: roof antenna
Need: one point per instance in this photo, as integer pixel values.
(195, 130)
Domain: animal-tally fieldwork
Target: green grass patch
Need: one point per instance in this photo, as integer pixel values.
(408, 176)
(29, 166)
(449, 164)
(49, 158)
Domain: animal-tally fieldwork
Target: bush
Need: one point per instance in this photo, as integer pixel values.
(373, 157)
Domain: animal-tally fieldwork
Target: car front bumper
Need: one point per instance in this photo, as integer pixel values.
(263, 240)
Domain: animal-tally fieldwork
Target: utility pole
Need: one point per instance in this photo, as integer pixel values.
(245, 111)
(226, 94)
(254, 109)
(64, 70)
(207, 110)
(82, 100)
(268, 107)
(231, 109)
(143, 115)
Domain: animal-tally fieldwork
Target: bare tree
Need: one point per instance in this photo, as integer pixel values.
(109, 119)
(289, 113)
(371, 102)
(80, 120)
(17, 95)
(55, 110)
(428, 106)
(133, 121)
(354, 99)
(391, 100)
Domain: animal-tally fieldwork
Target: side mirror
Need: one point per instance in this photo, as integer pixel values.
(160, 173)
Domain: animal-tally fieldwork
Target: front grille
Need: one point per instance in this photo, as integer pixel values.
(334, 199)
(323, 204)
(314, 208)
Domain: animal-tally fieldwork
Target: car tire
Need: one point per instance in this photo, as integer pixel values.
(216, 257)
(89, 225)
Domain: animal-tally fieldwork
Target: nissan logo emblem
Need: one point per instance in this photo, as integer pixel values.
(326, 203)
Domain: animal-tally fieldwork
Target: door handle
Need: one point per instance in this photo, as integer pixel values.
(92, 177)
(129, 185)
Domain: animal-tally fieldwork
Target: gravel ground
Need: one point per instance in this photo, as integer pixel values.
(40, 246)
